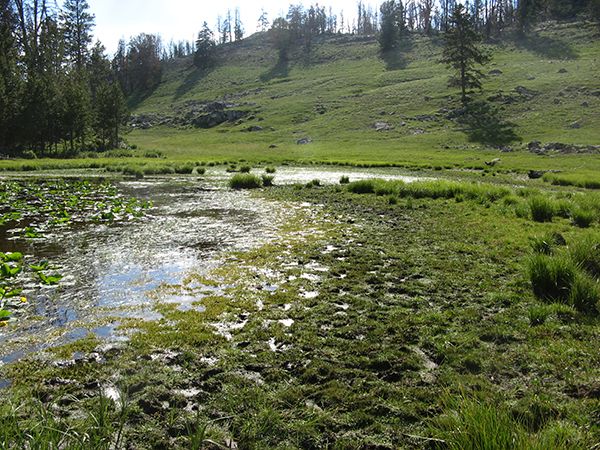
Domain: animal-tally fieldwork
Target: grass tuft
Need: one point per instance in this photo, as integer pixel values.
(542, 208)
(245, 181)
(551, 276)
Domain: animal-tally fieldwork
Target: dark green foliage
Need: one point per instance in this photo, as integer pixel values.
(344, 179)
(76, 24)
(393, 24)
(270, 170)
(462, 54)
(205, 54)
(245, 169)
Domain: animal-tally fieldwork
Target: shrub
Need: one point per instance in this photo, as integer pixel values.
(245, 169)
(245, 181)
(267, 180)
(270, 170)
(586, 254)
(585, 294)
(542, 208)
(551, 276)
(345, 179)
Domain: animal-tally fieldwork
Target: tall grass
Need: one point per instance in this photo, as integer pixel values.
(470, 424)
(245, 181)
(551, 276)
(542, 208)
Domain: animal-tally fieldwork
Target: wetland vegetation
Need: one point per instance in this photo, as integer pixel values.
(305, 239)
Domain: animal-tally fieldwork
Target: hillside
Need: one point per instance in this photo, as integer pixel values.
(547, 86)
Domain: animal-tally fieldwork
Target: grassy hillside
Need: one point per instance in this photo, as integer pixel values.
(335, 95)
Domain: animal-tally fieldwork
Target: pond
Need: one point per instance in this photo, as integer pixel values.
(113, 270)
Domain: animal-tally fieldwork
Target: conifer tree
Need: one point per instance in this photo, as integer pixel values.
(238, 27)
(205, 48)
(77, 23)
(392, 24)
(462, 53)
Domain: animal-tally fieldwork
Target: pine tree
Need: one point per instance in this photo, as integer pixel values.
(392, 24)
(263, 20)
(205, 48)
(526, 12)
(238, 27)
(461, 52)
(77, 23)
(10, 84)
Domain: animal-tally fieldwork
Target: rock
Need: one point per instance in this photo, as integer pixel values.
(585, 104)
(495, 72)
(426, 118)
(531, 78)
(382, 113)
(272, 146)
(493, 162)
(304, 141)
(535, 174)
(557, 101)
(534, 146)
(524, 92)
(427, 98)
(254, 128)
(417, 131)
(563, 70)
(595, 93)
(382, 126)
(575, 125)
(216, 118)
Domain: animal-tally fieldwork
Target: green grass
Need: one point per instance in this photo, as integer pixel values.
(245, 181)
(355, 87)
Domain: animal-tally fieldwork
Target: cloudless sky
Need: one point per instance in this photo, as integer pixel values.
(182, 19)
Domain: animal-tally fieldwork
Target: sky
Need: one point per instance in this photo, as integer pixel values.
(182, 19)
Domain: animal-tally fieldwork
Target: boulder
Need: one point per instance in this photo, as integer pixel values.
(495, 72)
(563, 70)
(575, 125)
(535, 174)
(382, 126)
(304, 141)
(254, 128)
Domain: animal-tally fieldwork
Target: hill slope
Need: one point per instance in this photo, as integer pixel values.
(547, 86)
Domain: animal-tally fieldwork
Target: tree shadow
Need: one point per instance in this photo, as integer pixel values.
(280, 70)
(483, 123)
(190, 81)
(395, 59)
(547, 47)
(137, 97)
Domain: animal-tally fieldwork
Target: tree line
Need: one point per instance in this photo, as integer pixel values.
(58, 92)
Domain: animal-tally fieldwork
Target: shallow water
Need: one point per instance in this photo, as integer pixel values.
(116, 271)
